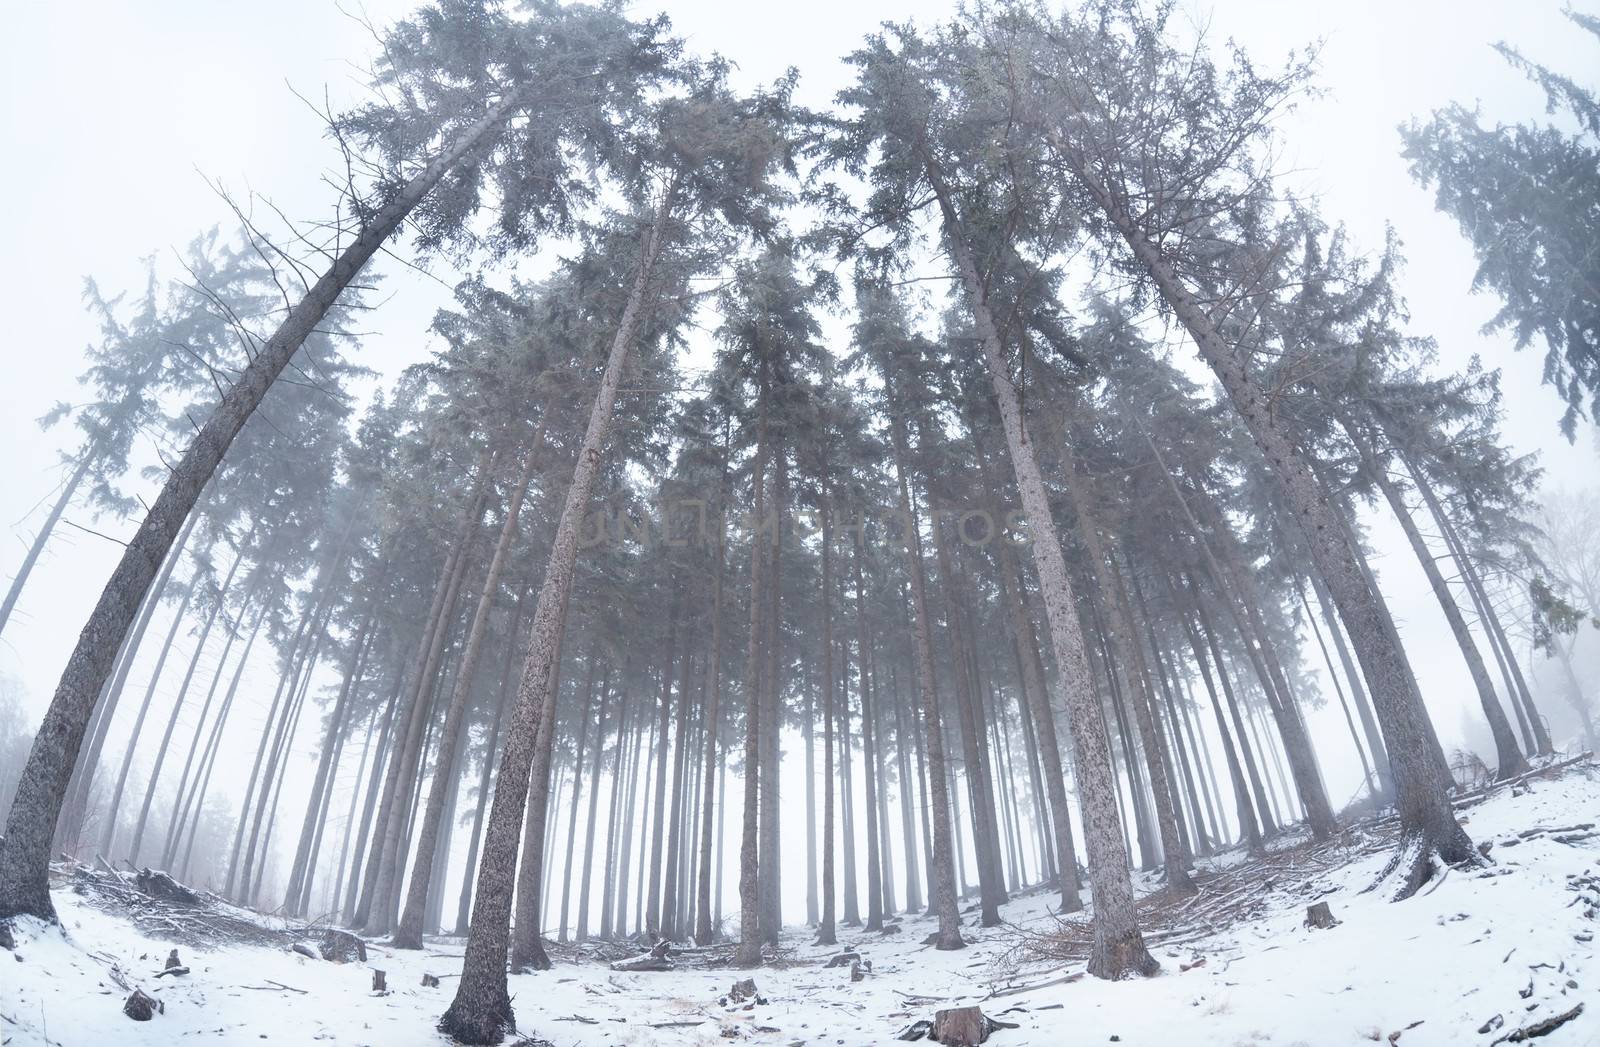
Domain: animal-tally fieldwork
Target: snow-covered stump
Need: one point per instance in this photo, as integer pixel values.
(1320, 917)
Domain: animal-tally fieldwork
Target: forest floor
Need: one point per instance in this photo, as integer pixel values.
(1476, 958)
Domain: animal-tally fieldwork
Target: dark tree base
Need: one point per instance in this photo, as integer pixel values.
(479, 1021)
(1127, 957)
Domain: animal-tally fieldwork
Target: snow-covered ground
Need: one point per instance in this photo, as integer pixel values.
(1514, 941)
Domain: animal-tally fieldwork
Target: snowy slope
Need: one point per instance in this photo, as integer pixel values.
(1433, 969)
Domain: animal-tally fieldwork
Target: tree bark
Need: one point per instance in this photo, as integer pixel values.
(481, 1010)
(1509, 758)
(408, 934)
(1119, 947)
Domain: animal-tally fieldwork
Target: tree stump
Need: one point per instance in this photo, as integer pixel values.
(379, 984)
(742, 990)
(962, 1027)
(860, 969)
(1320, 917)
(172, 960)
(342, 946)
(142, 1008)
(959, 1027)
(430, 981)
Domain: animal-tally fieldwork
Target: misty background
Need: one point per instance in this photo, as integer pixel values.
(121, 117)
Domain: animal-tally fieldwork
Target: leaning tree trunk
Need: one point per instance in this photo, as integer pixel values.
(25, 852)
(408, 933)
(1510, 759)
(39, 540)
(108, 835)
(1120, 633)
(481, 1010)
(177, 705)
(1119, 947)
(1517, 685)
(1428, 825)
(69, 827)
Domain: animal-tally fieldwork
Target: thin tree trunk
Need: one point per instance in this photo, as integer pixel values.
(941, 869)
(749, 951)
(826, 931)
(408, 933)
(1508, 757)
(69, 489)
(481, 1009)
(870, 749)
(1118, 946)
(709, 777)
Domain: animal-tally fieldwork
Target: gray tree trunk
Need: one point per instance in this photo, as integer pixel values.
(408, 933)
(1119, 947)
(481, 1010)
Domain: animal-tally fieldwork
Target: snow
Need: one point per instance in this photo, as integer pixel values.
(1432, 969)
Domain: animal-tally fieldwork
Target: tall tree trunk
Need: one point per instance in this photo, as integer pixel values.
(847, 807)
(1118, 946)
(825, 930)
(1517, 686)
(217, 608)
(408, 934)
(69, 827)
(1044, 728)
(980, 797)
(941, 869)
(870, 748)
(655, 870)
(577, 771)
(304, 859)
(481, 1010)
(749, 951)
(1367, 774)
(70, 488)
(1319, 812)
(527, 944)
(1358, 690)
(770, 872)
(1428, 825)
(1126, 654)
(582, 928)
(671, 911)
(709, 777)
(1509, 758)
(25, 852)
(1249, 828)
(180, 801)
(114, 808)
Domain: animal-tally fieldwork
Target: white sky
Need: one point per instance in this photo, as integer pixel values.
(112, 111)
